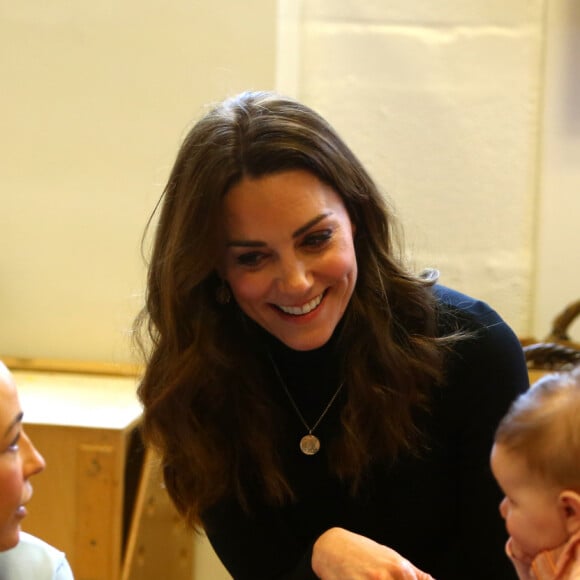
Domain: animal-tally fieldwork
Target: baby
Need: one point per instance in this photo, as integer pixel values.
(536, 461)
(22, 556)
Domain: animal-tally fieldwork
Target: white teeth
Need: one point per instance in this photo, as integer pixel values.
(304, 309)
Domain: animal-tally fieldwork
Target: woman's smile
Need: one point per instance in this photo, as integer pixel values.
(304, 309)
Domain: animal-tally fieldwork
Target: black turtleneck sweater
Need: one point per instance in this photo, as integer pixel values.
(440, 511)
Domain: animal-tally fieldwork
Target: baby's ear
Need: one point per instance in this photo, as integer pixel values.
(570, 503)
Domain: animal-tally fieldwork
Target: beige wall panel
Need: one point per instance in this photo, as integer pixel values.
(94, 100)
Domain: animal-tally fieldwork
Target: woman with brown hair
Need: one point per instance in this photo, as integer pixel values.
(320, 410)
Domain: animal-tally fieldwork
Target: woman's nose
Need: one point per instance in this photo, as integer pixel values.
(32, 461)
(294, 276)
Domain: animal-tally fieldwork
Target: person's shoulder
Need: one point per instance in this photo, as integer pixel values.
(487, 331)
(486, 366)
(463, 305)
(35, 544)
(34, 558)
(459, 312)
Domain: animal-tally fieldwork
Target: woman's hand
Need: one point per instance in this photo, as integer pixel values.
(342, 555)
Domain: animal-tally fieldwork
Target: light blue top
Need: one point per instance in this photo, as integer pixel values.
(33, 559)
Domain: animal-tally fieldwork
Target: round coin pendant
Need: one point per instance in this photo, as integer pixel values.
(309, 444)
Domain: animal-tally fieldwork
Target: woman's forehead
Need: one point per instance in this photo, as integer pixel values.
(9, 403)
(288, 194)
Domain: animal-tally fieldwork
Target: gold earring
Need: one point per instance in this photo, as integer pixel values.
(223, 294)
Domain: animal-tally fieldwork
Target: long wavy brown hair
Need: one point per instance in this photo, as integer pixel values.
(205, 397)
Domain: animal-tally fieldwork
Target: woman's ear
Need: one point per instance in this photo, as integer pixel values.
(569, 502)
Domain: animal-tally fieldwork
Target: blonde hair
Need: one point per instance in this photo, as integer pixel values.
(543, 426)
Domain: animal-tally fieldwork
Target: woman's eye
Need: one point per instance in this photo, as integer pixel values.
(250, 259)
(14, 443)
(317, 239)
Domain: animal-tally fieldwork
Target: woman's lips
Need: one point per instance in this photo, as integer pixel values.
(304, 309)
(21, 512)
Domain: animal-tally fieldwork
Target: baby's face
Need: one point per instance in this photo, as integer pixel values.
(530, 507)
(19, 460)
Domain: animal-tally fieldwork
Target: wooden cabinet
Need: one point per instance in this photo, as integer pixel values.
(100, 499)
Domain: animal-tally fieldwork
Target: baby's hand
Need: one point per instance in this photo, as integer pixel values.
(514, 550)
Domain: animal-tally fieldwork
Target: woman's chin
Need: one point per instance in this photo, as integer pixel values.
(306, 342)
(10, 539)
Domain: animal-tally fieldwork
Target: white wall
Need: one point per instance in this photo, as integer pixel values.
(442, 102)
(94, 100)
(467, 112)
(557, 281)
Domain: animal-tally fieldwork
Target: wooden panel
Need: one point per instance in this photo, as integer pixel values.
(159, 545)
(52, 511)
(78, 501)
(97, 538)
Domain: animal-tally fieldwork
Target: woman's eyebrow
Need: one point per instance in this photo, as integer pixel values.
(17, 419)
(310, 223)
(295, 234)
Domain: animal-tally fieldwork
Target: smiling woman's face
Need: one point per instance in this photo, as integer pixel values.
(19, 460)
(289, 256)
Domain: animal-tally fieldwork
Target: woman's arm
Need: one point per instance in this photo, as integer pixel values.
(264, 550)
(257, 546)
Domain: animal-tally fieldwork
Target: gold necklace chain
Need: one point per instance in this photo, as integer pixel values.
(309, 444)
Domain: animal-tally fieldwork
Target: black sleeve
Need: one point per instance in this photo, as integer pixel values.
(488, 374)
(257, 546)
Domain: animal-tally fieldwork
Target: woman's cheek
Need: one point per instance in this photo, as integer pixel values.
(250, 286)
(339, 265)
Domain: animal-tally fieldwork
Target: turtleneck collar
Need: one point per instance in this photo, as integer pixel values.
(311, 374)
